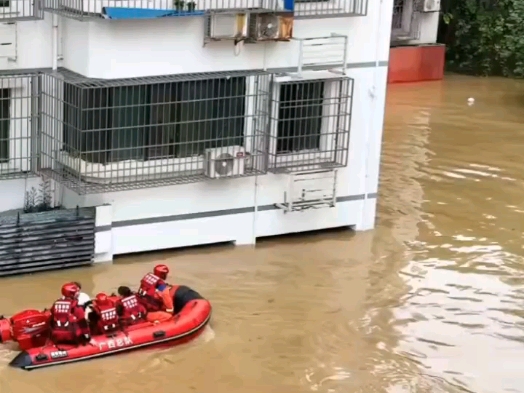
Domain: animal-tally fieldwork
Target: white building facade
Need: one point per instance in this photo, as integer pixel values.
(188, 123)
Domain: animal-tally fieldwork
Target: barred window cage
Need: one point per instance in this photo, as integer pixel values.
(86, 9)
(406, 21)
(305, 9)
(110, 135)
(18, 124)
(20, 10)
(310, 123)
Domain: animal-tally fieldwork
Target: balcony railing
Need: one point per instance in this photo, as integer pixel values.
(108, 135)
(20, 10)
(309, 9)
(19, 124)
(146, 9)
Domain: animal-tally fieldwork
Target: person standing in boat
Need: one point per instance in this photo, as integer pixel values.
(154, 293)
(68, 321)
(128, 307)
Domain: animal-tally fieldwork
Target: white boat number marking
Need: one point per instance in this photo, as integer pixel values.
(116, 343)
(58, 354)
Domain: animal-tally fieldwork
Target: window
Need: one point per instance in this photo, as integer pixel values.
(18, 109)
(5, 3)
(398, 13)
(5, 123)
(300, 116)
(309, 125)
(176, 120)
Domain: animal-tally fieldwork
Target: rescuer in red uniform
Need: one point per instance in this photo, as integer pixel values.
(107, 317)
(154, 292)
(68, 322)
(129, 308)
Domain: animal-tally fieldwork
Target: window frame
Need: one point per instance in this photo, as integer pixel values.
(18, 159)
(329, 115)
(139, 168)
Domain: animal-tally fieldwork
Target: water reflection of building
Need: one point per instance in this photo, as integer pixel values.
(405, 156)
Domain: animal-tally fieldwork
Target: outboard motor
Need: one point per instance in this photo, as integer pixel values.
(29, 328)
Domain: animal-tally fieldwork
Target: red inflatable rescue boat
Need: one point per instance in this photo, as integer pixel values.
(30, 329)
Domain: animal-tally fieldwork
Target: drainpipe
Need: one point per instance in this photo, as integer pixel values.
(55, 42)
(373, 94)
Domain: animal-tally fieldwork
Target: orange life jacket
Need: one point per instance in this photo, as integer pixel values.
(148, 293)
(63, 314)
(132, 309)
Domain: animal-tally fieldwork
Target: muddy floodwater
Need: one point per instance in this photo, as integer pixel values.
(430, 301)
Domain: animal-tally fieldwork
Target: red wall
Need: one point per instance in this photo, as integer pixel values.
(416, 63)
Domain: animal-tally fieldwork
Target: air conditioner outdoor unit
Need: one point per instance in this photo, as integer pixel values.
(429, 5)
(227, 27)
(225, 162)
(270, 27)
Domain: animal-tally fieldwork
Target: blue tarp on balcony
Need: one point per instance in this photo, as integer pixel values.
(145, 13)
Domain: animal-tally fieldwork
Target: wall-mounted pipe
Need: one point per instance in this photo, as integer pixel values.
(55, 42)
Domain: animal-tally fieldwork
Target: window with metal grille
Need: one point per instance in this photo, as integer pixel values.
(18, 108)
(5, 123)
(147, 122)
(300, 116)
(406, 21)
(105, 135)
(310, 121)
(19, 10)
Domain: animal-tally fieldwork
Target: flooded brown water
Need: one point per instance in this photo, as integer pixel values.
(430, 301)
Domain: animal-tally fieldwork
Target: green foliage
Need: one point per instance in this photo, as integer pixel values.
(485, 37)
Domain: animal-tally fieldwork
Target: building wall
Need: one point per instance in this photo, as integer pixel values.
(239, 209)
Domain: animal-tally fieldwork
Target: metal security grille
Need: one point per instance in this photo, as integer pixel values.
(406, 22)
(33, 242)
(18, 124)
(85, 9)
(20, 10)
(330, 8)
(107, 135)
(310, 123)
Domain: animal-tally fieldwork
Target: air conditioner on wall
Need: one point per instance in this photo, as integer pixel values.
(428, 5)
(225, 162)
(270, 27)
(227, 27)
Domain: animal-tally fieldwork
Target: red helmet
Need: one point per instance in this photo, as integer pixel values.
(70, 290)
(161, 271)
(102, 298)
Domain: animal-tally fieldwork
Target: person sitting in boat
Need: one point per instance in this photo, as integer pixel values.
(68, 322)
(106, 317)
(154, 292)
(128, 308)
(84, 300)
